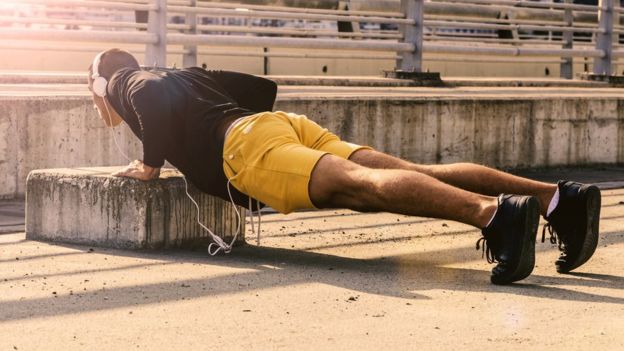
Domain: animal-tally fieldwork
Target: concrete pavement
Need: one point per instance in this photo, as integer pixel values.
(320, 280)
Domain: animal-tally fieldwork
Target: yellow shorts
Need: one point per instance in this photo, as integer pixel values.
(270, 157)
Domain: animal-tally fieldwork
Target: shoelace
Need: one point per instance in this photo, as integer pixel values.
(554, 237)
(486, 250)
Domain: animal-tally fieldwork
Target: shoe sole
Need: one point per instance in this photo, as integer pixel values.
(527, 253)
(592, 202)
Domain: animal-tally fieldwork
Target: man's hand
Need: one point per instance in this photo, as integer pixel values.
(138, 170)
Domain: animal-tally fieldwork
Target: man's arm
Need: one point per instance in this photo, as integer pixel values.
(254, 93)
(152, 108)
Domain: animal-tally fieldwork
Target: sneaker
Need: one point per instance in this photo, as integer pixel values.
(574, 224)
(509, 239)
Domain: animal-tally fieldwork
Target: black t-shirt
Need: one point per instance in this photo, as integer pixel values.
(181, 116)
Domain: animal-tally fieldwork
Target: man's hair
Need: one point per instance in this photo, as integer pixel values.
(111, 61)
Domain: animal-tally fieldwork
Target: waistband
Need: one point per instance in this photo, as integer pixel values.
(235, 123)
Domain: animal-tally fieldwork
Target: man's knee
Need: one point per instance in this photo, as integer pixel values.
(339, 183)
(379, 160)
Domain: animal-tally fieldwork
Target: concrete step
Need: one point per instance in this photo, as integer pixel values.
(379, 92)
(50, 126)
(605, 177)
(89, 206)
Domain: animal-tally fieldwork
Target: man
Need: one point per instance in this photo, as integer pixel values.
(217, 129)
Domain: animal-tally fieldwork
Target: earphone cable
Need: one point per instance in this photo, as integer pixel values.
(110, 121)
(227, 248)
(222, 245)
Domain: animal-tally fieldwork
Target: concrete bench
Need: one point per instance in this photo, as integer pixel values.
(89, 206)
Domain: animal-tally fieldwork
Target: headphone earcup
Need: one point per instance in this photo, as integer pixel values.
(99, 86)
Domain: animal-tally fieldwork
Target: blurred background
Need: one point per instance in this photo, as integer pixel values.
(481, 35)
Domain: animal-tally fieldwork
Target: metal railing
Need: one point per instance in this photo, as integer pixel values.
(562, 30)
(445, 30)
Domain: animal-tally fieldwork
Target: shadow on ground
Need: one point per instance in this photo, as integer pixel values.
(402, 276)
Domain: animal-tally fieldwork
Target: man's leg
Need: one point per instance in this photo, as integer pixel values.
(574, 222)
(468, 176)
(510, 235)
(339, 183)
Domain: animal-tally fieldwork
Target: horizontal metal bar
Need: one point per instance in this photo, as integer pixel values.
(225, 5)
(501, 20)
(237, 40)
(348, 56)
(485, 59)
(477, 37)
(472, 25)
(79, 35)
(561, 52)
(62, 21)
(484, 19)
(519, 3)
(560, 28)
(98, 4)
(490, 40)
(509, 51)
(523, 40)
(285, 15)
(38, 46)
(490, 8)
(88, 11)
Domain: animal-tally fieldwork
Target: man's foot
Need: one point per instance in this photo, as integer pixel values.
(574, 224)
(510, 238)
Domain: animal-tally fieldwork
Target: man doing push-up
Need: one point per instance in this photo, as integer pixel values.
(218, 128)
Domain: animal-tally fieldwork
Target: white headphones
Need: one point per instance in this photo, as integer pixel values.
(99, 82)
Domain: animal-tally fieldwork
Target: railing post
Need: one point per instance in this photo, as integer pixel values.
(412, 61)
(604, 40)
(566, 69)
(189, 59)
(156, 54)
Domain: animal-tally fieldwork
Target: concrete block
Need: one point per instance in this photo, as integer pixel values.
(56, 132)
(456, 128)
(89, 206)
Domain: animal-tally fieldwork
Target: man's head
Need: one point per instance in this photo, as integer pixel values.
(110, 62)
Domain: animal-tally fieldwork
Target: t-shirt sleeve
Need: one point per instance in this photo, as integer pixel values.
(254, 93)
(152, 107)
